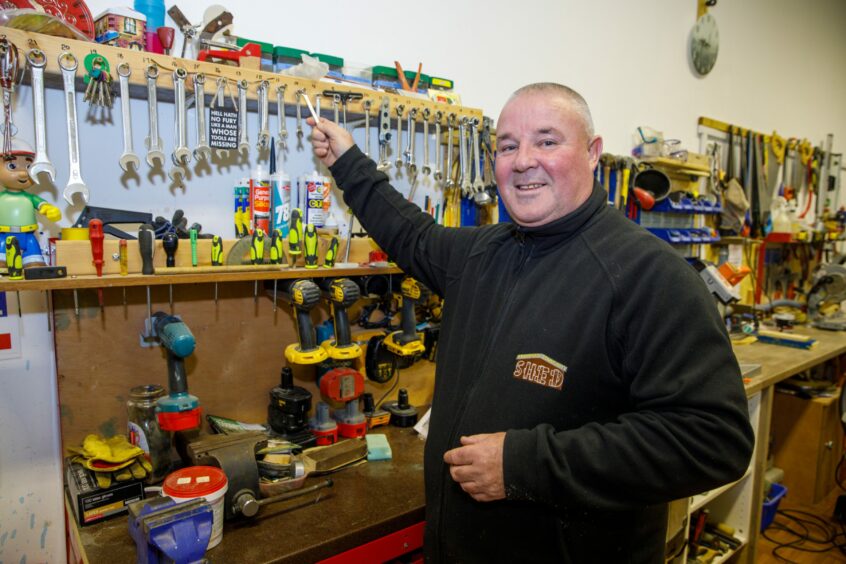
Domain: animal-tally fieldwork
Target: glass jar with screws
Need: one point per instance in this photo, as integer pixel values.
(144, 429)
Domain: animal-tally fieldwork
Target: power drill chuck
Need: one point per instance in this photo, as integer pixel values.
(343, 292)
(304, 294)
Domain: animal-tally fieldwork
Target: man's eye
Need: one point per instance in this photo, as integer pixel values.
(505, 148)
(548, 143)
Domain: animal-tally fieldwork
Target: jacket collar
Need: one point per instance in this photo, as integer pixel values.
(552, 233)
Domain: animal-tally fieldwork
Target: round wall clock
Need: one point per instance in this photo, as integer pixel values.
(704, 44)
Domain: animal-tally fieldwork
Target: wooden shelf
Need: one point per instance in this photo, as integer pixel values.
(139, 60)
(79, 282)
(693, 166)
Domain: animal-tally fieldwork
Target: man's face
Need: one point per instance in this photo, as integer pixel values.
(544, 160)
(14, 172)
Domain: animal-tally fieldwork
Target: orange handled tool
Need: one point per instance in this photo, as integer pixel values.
(95, 235)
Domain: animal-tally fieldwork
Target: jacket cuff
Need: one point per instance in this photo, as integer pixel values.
(518, 456)
(346, 164)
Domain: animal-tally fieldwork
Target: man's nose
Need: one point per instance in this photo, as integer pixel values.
(524, 159)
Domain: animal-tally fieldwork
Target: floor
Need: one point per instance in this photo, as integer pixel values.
(822, 526)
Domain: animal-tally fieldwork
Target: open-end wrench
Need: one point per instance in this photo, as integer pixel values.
(202, 151)
(478, 183)
(398, 161)
(181, 155)
(466, 168)
(427, 168)
(448, 172)
(439, 151)
(68, 63)
(366, 105)
(384, 134)
(282, 135)
(155, 149)
(263, 140)
(336, 107)
(412, 137)
(463, 181)
(128, 157)
(300, 93)
(243, 140)
(37, 61)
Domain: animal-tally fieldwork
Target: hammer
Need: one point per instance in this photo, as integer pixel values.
(607, 161)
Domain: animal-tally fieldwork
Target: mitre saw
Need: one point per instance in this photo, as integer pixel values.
(828, 291)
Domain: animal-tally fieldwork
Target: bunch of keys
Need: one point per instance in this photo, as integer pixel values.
(99, 90)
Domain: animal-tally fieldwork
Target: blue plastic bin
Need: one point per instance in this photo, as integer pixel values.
(777, 491)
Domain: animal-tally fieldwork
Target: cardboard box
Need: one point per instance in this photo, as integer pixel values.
(91, 503)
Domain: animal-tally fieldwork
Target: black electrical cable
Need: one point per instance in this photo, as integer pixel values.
(802, 539)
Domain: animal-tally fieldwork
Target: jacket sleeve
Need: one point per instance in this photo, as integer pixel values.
(411, 238)
(686, 427)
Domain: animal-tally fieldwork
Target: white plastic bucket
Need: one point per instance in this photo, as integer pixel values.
(200, 481)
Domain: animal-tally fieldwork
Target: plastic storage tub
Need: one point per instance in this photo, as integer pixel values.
(777, 491)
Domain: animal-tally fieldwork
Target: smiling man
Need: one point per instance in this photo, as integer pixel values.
(584, 377)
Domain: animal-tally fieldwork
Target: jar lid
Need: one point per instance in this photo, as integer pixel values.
(147, 391)
(194, 481)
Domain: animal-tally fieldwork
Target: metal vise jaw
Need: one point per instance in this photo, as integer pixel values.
(236, 456)
(165, 531)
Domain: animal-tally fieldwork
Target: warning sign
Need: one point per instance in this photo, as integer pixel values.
(223, 129)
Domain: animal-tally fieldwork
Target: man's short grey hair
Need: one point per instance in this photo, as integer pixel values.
(571, 95)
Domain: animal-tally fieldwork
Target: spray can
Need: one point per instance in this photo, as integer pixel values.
(280, 186)
(260, 199)
(314, 200)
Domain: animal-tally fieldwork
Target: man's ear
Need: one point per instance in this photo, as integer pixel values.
(594, 151)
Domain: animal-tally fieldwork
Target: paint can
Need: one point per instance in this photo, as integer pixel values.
(200, 481)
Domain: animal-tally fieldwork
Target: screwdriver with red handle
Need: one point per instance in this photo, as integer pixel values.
(95, 235)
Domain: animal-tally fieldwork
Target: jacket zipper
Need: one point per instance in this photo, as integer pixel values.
(525, 254)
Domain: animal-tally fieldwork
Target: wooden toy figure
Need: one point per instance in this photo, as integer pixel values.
(17, 208)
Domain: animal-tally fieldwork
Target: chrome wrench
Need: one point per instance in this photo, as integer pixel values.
(155, 150)
(128, 157)
(478, 184)
(412, 136)
(202, 152)
(439, 151)
(463, 181)
(384, 134)
(181, 155)
(300, 93)
(263, 140)
(243, 140)
(68, 63)
(282, 135)
(448, 171)
(427, 168)
(366, 105)
(398, 161)
(37, 61)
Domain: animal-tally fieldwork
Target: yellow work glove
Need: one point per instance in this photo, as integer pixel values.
(112, 459)
(50, 211)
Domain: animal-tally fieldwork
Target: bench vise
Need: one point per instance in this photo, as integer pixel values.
(165, 531)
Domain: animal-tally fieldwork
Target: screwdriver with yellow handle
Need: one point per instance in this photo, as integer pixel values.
(310, 245)
(257, 255)
(14, 259)
(277, 253)
(331, 253)
(295, 245)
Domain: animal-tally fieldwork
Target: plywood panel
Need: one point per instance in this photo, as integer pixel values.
(238, 358)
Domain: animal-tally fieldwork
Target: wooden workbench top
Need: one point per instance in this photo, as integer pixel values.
(366, 502)
(779, 362)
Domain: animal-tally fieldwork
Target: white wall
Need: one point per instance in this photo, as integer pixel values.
(781, 66)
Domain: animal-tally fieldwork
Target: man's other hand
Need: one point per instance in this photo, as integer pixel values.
(329, 140)
(477, 466)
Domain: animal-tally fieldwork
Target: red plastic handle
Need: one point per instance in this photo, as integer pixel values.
(95, 234)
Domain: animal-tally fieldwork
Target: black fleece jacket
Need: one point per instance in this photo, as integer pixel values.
(595, 347)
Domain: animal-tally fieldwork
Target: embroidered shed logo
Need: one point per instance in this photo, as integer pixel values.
(540, 369)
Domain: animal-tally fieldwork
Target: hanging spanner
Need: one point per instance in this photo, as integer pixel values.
(398, 161)
(128, 157)
(478, 183)
(448, 172)
(366, 105)
(412, 137)
(155, 149)
(300, 93)
(384, 134)
(263, 140)
(68, 63)
(37, 61)
(282, 135)
(439, 152)
(243, 139)
(427, 168)
(463, 181)
(181, 155)
(202, 152)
